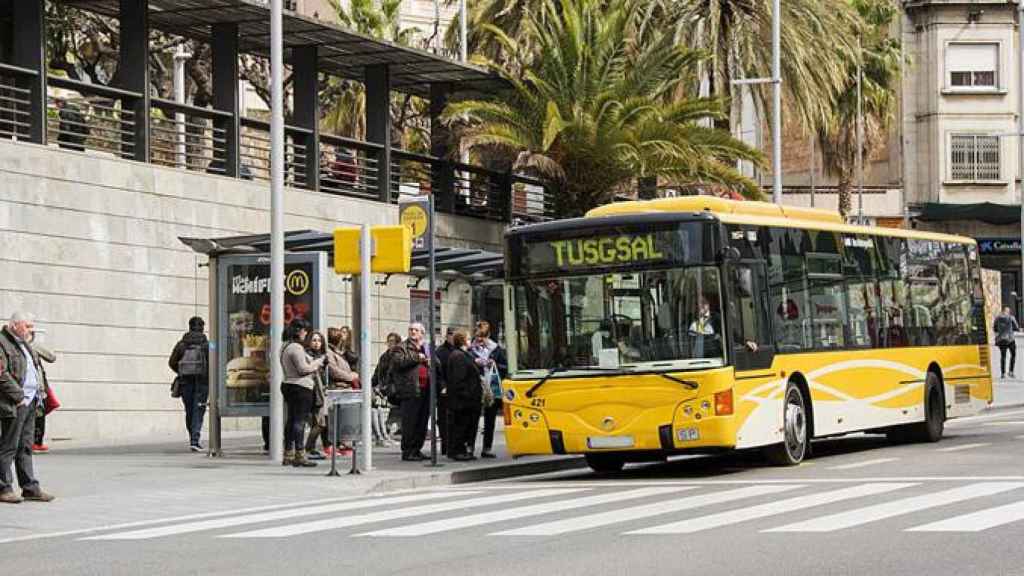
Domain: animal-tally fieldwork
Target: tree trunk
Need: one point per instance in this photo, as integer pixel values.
(844, 194)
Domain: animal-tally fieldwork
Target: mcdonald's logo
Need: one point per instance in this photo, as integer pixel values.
(297, 283)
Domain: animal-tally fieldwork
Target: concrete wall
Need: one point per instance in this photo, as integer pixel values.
(91, 247)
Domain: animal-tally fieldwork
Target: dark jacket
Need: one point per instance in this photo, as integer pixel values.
(464, 389)
(397, 372)
(12, 373)
(189, 339)
(441, 363)
(500, 357)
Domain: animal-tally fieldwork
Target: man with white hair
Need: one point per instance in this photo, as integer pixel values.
(410, 371)
(21, 389)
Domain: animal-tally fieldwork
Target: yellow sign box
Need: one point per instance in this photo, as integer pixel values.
(392, 250)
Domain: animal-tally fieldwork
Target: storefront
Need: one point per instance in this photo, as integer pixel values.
(1004, 256)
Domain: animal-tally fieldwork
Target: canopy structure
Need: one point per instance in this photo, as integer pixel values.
(341, 52)
(472, 265)
(987, 212)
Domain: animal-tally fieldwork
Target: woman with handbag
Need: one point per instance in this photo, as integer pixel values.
(316, 348)
(339, 375)
(49, 403)
(298, 389)
(465, 397)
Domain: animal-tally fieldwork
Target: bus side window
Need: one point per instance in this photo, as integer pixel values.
(750, 327)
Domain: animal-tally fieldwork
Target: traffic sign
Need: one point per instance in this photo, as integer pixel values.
(414, 213)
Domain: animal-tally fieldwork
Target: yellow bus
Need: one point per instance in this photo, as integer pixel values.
(694, 325)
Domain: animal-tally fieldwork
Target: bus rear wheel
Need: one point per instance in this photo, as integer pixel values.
(796, 438)
(605, 463)
(934, 424)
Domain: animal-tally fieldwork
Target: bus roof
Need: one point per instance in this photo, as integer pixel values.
(762, 214)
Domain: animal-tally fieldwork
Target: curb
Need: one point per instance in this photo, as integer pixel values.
(1002, 407)
(482, 474)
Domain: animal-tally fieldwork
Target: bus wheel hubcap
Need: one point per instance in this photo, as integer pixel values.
(796, 428)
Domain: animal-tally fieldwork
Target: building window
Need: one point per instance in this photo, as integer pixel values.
(974, 157)
(972, 65)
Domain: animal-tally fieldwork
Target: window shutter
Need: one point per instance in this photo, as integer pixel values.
(972, 57)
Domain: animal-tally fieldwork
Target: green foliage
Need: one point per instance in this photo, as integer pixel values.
(599, 99)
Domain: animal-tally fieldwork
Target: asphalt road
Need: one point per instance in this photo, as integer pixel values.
(860, 506)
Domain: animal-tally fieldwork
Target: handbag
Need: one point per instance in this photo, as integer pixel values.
(176, 388)
(50, 403)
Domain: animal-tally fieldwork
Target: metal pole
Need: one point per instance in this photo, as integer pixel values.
(813, 170)
(776, 102)
(276, 231)
(463, 32)
(1020, 138)
(365, 252)
(430, 339)
(860, 134)
(180, 56)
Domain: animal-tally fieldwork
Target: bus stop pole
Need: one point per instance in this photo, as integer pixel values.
(431, 358)
(366, 438)
(276, 231)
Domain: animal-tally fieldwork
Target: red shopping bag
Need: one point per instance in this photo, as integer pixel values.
(51, 403)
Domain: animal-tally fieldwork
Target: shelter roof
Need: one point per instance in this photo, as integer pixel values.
(342, 52)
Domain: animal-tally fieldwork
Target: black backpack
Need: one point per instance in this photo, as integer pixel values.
(193, 361)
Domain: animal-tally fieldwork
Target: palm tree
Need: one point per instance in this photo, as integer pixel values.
(594, 104)
(881, 62)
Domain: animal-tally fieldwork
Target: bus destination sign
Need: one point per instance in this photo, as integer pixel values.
(623, 249)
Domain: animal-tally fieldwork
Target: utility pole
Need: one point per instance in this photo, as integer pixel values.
(463, 32)
(813, 170)
(276, 230)
(860, 134)
(180, 57)
(1020, 137)
(776, 102)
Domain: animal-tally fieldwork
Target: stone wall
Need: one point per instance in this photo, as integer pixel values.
(91, 247)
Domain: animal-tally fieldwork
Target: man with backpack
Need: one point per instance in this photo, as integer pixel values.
(190, 360)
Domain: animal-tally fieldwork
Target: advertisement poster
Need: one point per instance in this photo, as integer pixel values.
(245, 333)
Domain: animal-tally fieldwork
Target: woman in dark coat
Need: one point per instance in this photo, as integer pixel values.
(465, 395)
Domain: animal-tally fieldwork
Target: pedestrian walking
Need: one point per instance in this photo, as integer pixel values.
(190, 361)
(500, 371)
(1004, 326)
(20, 386)
(48, 399)
(465, 395)
(410, 378)
(297, 387)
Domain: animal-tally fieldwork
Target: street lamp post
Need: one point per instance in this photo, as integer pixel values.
(1020, 134)
(860, 133)
(276, 230)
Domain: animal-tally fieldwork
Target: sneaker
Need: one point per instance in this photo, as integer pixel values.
(9, 497)
(486, 454)
(328, 452)
(40, 448)
(315, 455)
(344, 451)
(463, 457)
(195, 447)
(414, 457)
(37, 496)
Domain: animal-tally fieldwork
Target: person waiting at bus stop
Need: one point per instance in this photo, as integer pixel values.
(297, 387)
(465, 395)
(411, 381)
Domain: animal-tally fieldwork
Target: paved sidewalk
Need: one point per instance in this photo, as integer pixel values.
(1007, 391)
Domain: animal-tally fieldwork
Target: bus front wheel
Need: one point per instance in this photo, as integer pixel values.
(605, 463)
(796, 438)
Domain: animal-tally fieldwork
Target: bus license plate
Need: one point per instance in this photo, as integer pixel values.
(610, 442)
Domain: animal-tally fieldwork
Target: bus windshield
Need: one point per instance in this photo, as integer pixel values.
(628, 320)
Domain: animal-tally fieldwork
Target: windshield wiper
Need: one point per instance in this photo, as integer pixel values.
(559, 370)
(687, 383)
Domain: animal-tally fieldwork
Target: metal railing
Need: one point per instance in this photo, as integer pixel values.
(349, 167)
(183, 136)
(531, 201)
(15, 102)
(254, 152)
(82, 116)
(412, 174)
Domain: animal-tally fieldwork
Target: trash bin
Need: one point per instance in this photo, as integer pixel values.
(348, 417)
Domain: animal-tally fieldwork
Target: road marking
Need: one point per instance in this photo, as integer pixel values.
(293, 512)
(964, 447)
(767, 481)
(522, 512)
(1021, 437)
(187, 517)
(898, 507)
(646, 511)
(770, 509)
(335, 523)
(976, 521)
(863, 464)
(982, 417)
(1006, 423)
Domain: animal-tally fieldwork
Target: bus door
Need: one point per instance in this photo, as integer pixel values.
(750, 333)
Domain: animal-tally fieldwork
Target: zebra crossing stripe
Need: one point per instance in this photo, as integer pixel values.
(964, 447)
(522, 512)
(862, 463)
(383, 516)
(772, 508)
(646, 511)
(231, 521)
(976, 521)
(898, 507)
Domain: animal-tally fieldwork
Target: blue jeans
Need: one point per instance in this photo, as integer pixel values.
(194, 392)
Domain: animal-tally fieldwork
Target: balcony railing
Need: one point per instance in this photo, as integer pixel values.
(104, 120)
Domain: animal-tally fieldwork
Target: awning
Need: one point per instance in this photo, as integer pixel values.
(987, 212)
(471, 264)
(342, 52)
